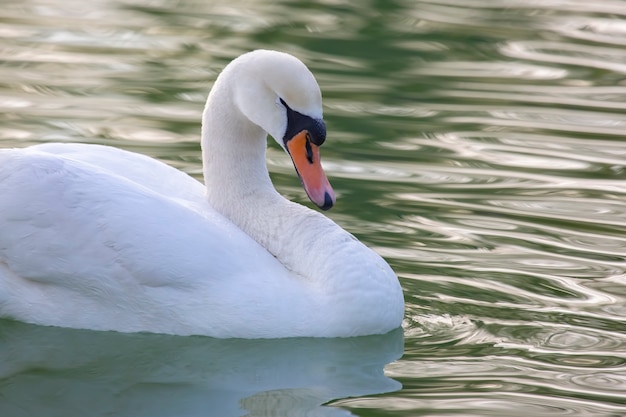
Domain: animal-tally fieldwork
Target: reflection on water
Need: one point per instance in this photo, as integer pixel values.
(62, 372)
(477, 145)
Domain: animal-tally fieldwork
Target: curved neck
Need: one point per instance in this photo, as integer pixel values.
(233, 156)
(239, 186)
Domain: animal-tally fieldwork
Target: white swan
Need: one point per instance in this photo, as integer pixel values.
(99, 238)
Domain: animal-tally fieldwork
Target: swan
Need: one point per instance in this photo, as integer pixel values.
(99, 238)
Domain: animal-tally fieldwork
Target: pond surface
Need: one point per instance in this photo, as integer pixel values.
(477, 145)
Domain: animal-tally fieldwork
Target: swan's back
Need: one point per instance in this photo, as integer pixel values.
(135, 167)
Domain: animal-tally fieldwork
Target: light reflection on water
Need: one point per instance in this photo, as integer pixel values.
(477, 145)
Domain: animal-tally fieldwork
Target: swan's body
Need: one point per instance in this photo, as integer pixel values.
(99, 238)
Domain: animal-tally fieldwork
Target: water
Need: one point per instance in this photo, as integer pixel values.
(477, 145)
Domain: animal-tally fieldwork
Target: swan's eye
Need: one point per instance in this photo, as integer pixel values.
(308, 149)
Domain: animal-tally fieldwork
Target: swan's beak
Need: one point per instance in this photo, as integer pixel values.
(306, 158)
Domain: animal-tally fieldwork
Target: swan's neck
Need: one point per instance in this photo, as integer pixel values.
(235, 171)
(239, 186)
(233, 153)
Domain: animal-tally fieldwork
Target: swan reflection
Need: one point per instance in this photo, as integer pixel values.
(64, 372)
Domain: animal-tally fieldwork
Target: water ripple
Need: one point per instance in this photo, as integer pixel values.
(563, 53)
(600, 30)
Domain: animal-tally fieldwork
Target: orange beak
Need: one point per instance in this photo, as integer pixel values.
(306, 158)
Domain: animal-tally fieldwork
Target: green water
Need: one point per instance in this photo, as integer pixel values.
(477, 145)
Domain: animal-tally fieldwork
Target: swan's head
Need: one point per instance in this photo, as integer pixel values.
(278, 93)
